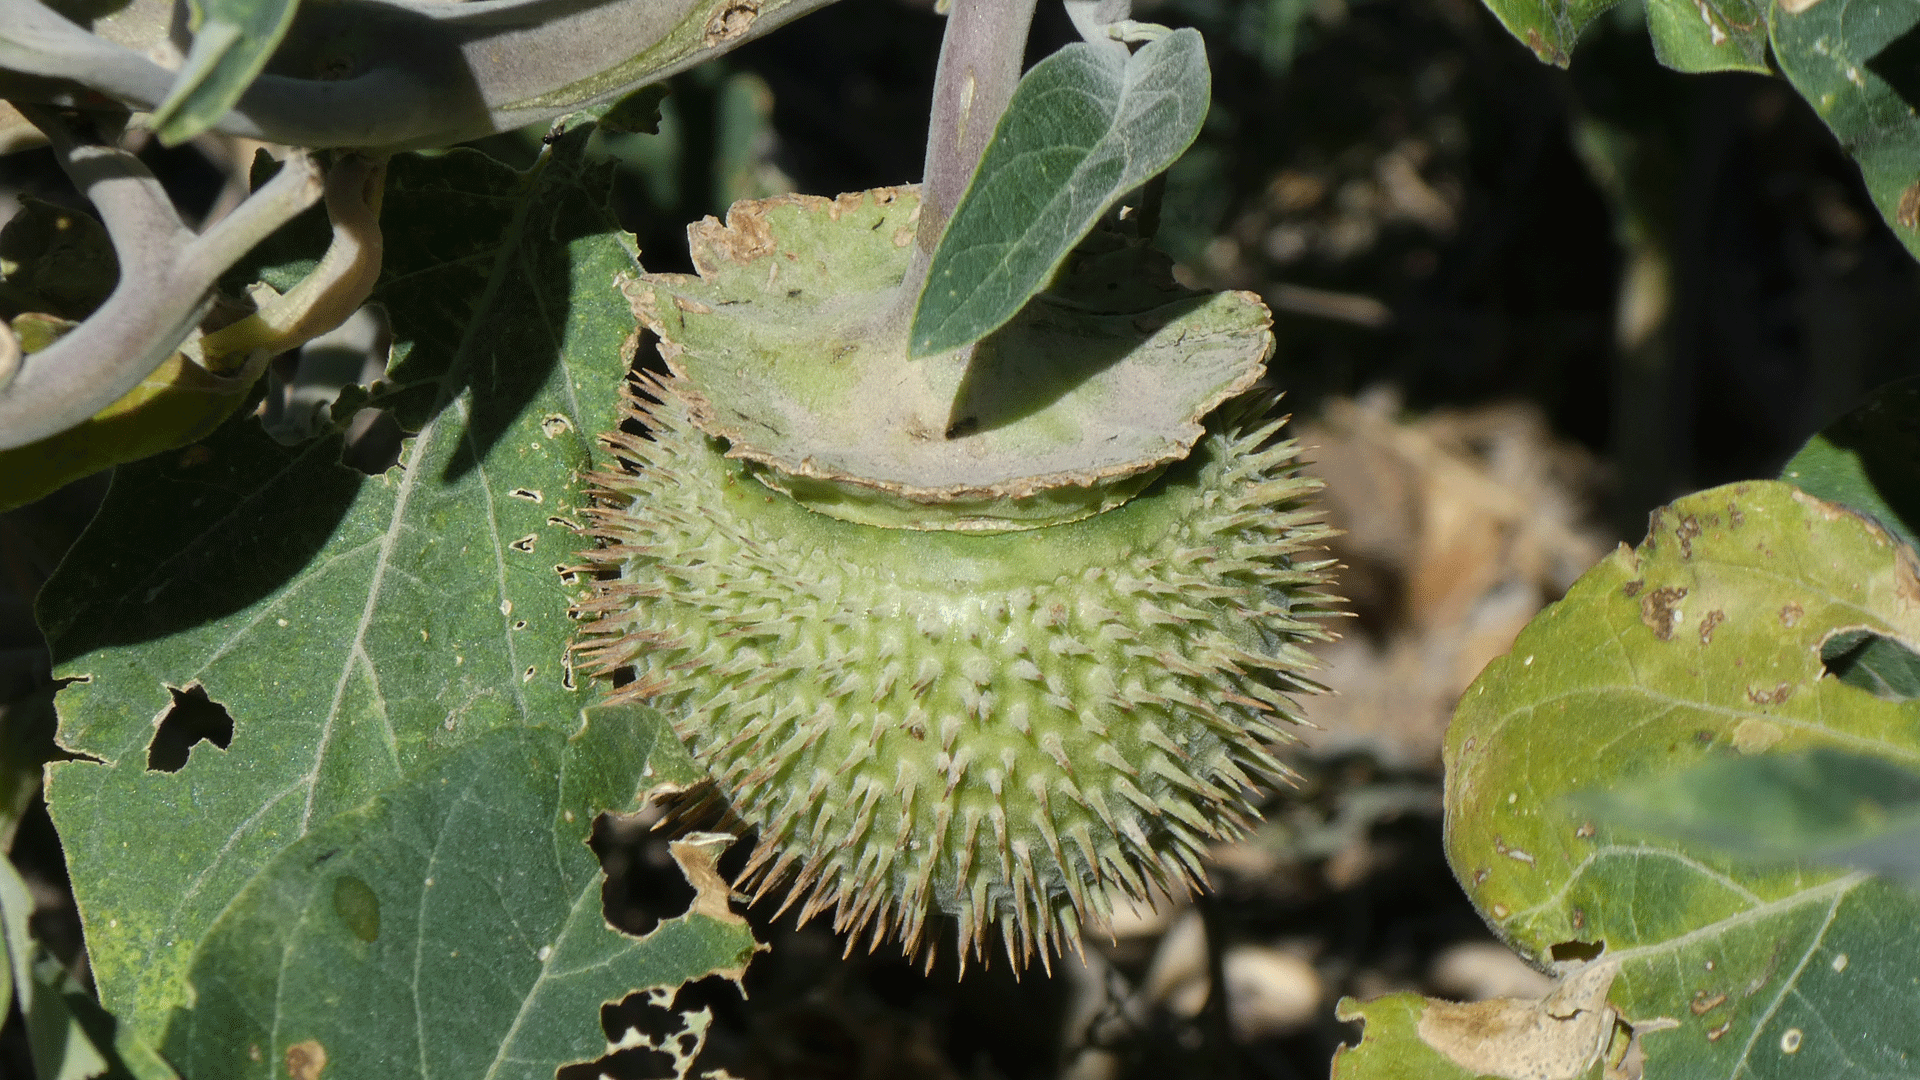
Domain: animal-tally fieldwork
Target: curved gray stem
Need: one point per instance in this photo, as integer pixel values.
(166, 281)
(417, 74)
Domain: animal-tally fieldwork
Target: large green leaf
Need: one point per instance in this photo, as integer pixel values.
(232, 40)
(370, 638)
(1703, 642)
(450, 927)
(1085, 126)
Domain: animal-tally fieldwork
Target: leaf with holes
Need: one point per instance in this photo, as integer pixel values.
(1701, 645)
(1570, 1034)
(357, 636)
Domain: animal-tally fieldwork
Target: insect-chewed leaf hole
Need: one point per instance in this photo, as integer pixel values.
(192, 718)
(1877, 664)
(1577, 950)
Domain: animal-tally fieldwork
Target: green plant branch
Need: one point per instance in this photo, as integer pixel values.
(337, 286)
(420, 74)
(167, 275)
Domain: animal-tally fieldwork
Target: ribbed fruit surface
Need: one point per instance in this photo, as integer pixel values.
(999, 727)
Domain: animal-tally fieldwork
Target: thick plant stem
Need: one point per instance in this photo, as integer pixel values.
(979, 67)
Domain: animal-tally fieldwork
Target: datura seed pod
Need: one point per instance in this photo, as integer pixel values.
(1001, 700)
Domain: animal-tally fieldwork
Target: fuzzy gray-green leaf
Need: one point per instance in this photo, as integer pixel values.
(1086, 126)
(232, 40)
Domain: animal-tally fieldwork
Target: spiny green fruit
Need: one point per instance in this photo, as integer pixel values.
(999, 726)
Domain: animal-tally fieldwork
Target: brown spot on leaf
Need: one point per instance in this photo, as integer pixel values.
(1774, 696)
(306, 1059)
(1790, 614)
(1558, 1037)
(1713, 619)
(1685, 532)
(1544, 51)
(1632, 588)
(1702, 1004)
(1906, 575)
(1908, 213)
(744, 238)
(731, 20)
(1754, 735)
(1714, 1035)
(1735, 518)
(1659, 610)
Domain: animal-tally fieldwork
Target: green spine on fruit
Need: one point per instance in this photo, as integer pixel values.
(999, 726)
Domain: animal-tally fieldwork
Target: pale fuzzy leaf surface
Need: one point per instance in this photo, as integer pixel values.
(365, 634)
(232, 40)
(1085, 126)
(1703, 642)
(1710, 35)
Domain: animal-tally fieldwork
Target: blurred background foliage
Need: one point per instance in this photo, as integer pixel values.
(1516, 308)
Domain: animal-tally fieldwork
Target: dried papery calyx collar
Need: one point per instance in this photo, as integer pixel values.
(792, 342)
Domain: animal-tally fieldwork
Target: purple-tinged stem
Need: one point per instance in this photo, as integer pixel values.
(980, 59)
